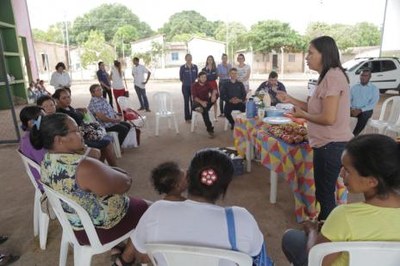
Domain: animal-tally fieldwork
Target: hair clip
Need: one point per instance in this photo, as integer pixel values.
(208, 177)
(37, 122)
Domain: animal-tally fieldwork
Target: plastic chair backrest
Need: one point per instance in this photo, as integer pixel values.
(123, 102)
(163, 101)
(369, 253)
(183, 255)
(87, 223)
(394, 111)
(29, 164)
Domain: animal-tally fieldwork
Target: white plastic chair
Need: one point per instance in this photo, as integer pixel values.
(183, 255)
(197, 116)
(164, 109)
(40, 218)
(234, 114)
(125, 104)
(82, 254)
(360, 253)
(386, 117)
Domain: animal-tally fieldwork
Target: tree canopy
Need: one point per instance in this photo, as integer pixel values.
(95, 49)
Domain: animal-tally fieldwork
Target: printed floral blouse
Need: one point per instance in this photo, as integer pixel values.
(58, 172)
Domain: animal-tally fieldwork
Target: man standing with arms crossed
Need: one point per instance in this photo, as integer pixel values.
(104, 80)
(138, 72)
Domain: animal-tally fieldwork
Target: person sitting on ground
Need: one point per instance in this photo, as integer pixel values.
(106, 115)
(204, 96)
(63, 98)
(271, 86)
(42, 89)
(98, 188)
(364, 97)
(32, 92)
(204, 223)
(169, 179)
(6, 258)
(371, 165)
(234, 95)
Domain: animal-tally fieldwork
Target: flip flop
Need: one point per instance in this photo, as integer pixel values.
(3, 239)
(7, 259)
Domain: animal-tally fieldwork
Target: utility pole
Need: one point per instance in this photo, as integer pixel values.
(68, 50)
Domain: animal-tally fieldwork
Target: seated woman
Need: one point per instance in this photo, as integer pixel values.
(197, 220)
(29, 116)
(98, 188)
(371, 165)
(104, 144)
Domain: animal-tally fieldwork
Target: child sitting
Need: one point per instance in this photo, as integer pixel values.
(169, 179)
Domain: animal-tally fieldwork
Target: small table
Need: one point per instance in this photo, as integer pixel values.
(294, 161)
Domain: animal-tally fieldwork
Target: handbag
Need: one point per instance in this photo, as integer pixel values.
(134, 118)
(259, 260)
(93, 131)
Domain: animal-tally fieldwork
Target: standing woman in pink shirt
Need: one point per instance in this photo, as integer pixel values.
(328, 118)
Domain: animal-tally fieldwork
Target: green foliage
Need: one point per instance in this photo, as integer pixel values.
(55, 33)
(361, 34)
(108, 18)
(96, 49)
(269, 35)
(234, 34)
(123, 37)
(187, 22)
(145, 57)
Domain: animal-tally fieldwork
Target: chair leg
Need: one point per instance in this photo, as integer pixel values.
(169, 122)
(44, 226)
(36, 213)
(193, 121)
(64, 250)
(226, 124)
(274, 186)
(176, 124)
(157, 125)
(82, 256)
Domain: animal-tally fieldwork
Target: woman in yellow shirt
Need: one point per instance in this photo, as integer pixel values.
(370, 165)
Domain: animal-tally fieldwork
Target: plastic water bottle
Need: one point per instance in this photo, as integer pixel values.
(251, 109)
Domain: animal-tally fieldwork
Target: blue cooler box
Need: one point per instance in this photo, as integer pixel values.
(237, 160)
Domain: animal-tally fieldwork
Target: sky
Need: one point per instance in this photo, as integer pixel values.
(298, 13)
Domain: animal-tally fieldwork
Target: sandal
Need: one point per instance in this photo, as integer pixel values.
(3, 239)
(7, 259)
(120, 262)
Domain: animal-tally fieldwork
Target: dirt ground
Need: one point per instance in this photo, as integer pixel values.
(250, 190)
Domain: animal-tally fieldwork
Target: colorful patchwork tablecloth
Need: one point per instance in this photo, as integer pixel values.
(294, 161)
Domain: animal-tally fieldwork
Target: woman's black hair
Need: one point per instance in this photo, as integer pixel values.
(57, 94)
(378, 156)
(165, 177)
(44, 98)
(330, 56)
(60, 64)
(29, 113)
(42, 136)
(207, 159)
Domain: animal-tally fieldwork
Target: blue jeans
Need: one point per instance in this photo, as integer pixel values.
(294, 246)
(327, 166)
(141, 94)
(187, 97)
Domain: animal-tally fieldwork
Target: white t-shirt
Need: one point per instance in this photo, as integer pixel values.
(196, 223)
(242, 73)
(138, 75)
(60, 80)
(117, 80)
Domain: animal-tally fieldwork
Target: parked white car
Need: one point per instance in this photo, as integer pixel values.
(385, 71)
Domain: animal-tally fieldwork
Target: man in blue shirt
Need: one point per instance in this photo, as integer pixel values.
(187, 75)
(104, 80)
(364, 97)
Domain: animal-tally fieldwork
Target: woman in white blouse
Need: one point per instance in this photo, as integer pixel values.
(60, 78)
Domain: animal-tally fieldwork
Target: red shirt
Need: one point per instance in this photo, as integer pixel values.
(201, 91)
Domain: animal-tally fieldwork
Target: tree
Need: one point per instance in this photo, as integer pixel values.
(124, 35)
(234, 34)
(55, 33)
(266, 36)
(187, 23)
(108, 18)
(96, 49)
(367, 34)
